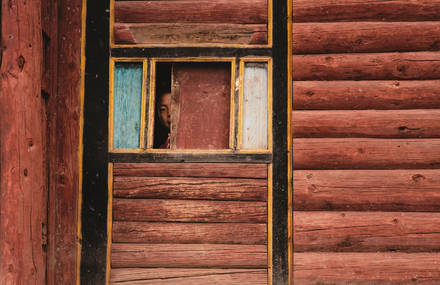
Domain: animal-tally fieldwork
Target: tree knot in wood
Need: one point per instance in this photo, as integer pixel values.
(20, 62)
(418, 177)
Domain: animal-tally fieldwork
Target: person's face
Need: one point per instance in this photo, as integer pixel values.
(165, 109)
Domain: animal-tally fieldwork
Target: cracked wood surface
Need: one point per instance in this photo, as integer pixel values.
(366, 123)
(23, 183)
(366, 231)
(367, 190)
(360, 95)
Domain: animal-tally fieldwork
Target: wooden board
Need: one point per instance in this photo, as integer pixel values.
(189, 255)
(192, 11)
(127, 105)
(208, 170)
(190, 188)
(368, 123)
(366, 231)
(201, 100)
(178, 33)
(359, 95)
(345, 37)
(357, 153)
(367, 190)
(366, 268)
(214, 233)
(255, 106)
(193, 276)
(367, 66)
(380, 10)
(156, 210)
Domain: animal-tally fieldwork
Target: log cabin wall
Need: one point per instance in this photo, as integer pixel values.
(366, 142)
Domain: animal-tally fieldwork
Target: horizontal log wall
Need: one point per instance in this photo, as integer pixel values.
(195, 223)
(366, 142)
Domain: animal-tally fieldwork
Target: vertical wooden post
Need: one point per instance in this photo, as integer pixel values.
(22, 181)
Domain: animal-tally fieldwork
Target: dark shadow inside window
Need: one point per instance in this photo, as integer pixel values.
(163, 87)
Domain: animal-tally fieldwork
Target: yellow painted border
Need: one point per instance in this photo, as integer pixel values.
(244, 60)
(111, 108)
(152, 95)
(268, 45)
(269, 224)
(289, 138)
(109, 222)
(81, 142)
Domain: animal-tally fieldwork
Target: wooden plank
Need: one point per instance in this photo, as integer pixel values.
(368, 123)
(193, 276)
(178, 33)
(355, 153)
(378, 10)
(367, 190)
(189, 255)
(192, 11)
(190, 188)
(22, 175)
(208, 170)
(366, 231)
(255, 106)
(366, 268)
(202, 116)
(155, 210)
(367, 66)
(127, 105)
(214, 233)
(346, 37)
(358, 95)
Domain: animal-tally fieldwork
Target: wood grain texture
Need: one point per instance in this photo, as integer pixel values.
(214, 233)
(367, 66)
(23, 184)
(193, 276)
(366, 231)
(190, 188)
(366, 268)
(368, 123)
(203, 93)
(255, 106)
(127, 105)
(367, 190)
(346, 37)
(155, 210)
(189, 255)
(208, 170)
(192, 11)
(378, 10)
(192, 33)
(359, 95)
(357, 153)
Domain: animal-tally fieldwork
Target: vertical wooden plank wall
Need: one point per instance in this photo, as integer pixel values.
(22, 183)
(366, 142)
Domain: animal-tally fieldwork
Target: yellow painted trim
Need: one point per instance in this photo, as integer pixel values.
(111, 107)
(143, 104)
(109, 222)
(194, 59)
(81, 142)
(244, 60)
(289, 138)
(152, 104)
(269, 23)
(232, 107)
(270, 223)
(112, 22)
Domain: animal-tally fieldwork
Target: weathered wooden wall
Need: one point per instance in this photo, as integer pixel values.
(366, 142)
(189, 223)
(39, 140)
(23, 186)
